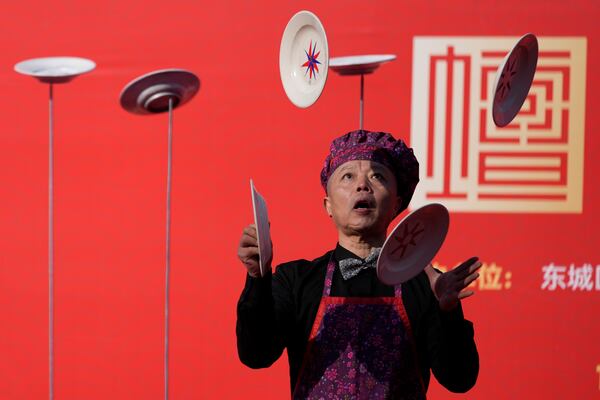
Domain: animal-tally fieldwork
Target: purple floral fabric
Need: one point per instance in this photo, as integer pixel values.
(360, 348)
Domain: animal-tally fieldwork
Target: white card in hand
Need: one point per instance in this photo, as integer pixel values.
(263, 231)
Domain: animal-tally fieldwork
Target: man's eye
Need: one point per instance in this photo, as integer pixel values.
(378, 176)
(347, 175)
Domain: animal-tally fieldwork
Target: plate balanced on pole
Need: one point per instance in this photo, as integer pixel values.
(359, 65)
(52, 70)
(157, 92)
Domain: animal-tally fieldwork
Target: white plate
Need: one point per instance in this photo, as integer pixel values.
(304, 59)
(263, 231)
(412, 244)
(514, 79)
(150, 93)
(55, 69)
(359, 65)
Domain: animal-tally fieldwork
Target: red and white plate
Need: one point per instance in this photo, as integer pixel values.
(412, 244)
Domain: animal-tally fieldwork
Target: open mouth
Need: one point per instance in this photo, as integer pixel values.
(363, 205)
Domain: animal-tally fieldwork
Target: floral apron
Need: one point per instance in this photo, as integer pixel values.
(360, 348)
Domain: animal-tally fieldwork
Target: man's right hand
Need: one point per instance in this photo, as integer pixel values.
(248, 252)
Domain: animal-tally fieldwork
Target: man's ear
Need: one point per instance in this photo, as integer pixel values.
(327, 206)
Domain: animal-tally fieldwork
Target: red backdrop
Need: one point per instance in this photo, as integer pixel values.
(110, 195)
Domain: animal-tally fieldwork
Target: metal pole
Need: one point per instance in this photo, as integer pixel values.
(51, 245)
(168, 251)
(362, 88)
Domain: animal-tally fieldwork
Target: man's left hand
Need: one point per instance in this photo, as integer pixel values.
(449, 287)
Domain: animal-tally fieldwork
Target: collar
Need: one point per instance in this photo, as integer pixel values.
(341, 253)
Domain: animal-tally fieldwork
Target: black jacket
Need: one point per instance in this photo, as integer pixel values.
(278, 311)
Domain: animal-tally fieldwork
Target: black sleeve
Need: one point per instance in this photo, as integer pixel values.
(451, 348)
(264, 319)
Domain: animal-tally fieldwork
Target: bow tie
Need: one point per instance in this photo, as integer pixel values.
(350, 267)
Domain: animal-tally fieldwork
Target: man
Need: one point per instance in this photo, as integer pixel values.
(347, 334)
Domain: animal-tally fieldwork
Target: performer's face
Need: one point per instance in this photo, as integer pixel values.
(362, 197)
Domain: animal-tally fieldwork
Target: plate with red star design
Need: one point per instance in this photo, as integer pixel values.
(304, 59)
(413, 243)
(514, 79)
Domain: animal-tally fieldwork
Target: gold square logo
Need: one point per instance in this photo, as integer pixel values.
(535, 164)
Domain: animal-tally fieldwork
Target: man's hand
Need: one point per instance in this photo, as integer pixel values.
(248, 252)
(449, 287)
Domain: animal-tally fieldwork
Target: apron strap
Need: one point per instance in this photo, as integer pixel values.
(329, 280)
(329, 276)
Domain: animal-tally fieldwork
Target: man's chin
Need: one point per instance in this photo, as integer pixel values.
(369, 228)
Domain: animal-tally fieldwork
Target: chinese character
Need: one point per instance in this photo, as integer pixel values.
(581, 277)
(597, 277)
(490, 277)
(554, 276)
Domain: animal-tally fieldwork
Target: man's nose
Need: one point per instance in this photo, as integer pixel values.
(362, 184)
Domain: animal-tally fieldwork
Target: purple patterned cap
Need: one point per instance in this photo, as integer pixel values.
(380, 147)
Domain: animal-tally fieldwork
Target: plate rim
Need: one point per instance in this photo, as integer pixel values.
(332, 60)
